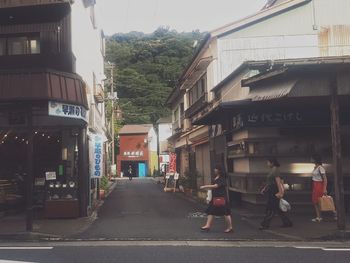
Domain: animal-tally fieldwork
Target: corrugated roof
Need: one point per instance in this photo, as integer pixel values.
(136, 129)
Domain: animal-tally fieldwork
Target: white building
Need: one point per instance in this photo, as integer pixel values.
(283, 29)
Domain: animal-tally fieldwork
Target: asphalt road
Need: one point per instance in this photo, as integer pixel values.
(171, 254)
(139, 209)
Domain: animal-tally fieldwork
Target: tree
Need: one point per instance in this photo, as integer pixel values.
(148, 67)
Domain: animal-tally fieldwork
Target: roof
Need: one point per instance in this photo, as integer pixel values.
(274, 8)
(165, 120)
(136, 129)
(271, 3)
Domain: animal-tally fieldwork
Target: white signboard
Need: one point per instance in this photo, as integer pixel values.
(67, 110)
(50, 176)
(96, 156)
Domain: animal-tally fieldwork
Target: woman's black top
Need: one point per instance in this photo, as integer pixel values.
(221, 190)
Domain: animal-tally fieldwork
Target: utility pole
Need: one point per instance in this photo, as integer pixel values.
(112, 97)
(337, 153)
(30, 175)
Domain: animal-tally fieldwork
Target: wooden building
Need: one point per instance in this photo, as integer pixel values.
(46, 102)
(285, 113)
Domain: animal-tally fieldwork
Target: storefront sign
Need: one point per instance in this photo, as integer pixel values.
(133, 154)
(279, 119)
(50, 176)
(96, 156)
(172, 163)
(67, 110)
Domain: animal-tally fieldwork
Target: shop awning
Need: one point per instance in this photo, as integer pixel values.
(42, 85)
(272, 91)
(216, 114)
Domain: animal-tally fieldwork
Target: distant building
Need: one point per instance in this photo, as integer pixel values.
(164, 132)
(138, 148)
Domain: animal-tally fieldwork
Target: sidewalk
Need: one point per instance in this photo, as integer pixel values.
(303, 228)
(12, 227)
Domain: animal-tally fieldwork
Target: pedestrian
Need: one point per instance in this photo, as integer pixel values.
(219, 205)
(319, 186)
(130, 172)
(274, 190)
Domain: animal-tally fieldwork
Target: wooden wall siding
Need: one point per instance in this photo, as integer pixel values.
(16, 3)
(49, 36)
(44, 85)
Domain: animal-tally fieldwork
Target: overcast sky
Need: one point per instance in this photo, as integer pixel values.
(183, 15)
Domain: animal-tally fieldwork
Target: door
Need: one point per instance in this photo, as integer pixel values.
(142, 170)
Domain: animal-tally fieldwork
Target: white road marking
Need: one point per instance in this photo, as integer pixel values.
(26, 248)
(336, 249)
(308, 247)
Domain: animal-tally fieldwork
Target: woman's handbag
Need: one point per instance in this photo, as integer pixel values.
(209, 196)
(326, 204)
(219, 201)
(284, 205)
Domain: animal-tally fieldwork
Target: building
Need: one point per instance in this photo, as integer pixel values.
(138, 148)
(164, 127)
(286, 114)
(51, 105)
(281, 30)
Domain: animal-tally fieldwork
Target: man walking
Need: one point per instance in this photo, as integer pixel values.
(130, 172)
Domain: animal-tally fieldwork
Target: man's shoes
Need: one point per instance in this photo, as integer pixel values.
(317, 220)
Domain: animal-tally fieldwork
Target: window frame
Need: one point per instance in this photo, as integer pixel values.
(27, 38)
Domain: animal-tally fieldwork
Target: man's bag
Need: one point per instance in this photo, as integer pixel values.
(326, 204)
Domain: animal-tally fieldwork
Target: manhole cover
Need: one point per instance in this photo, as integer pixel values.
(197, 215)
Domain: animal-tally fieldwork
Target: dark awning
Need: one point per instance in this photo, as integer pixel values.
(45, 85)
(216, 114)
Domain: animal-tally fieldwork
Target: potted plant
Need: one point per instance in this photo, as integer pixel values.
(103, 186)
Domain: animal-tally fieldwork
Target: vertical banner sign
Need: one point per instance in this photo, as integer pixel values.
(172, 163)
(96, 156)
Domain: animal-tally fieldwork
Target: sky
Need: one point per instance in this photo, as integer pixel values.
(121, 16)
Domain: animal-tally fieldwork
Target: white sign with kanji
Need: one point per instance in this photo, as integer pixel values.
(67, 110)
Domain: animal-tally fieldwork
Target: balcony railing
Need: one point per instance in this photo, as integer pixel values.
(60, 61)
(17, 3)
(99, 93)
(197, 106)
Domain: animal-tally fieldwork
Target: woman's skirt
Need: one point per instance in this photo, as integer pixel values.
(317, 192)
(218, 211)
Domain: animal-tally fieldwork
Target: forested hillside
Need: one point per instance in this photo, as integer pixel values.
(148, 66)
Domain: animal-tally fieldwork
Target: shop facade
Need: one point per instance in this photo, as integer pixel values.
(51, 96)
(284, 112)
(138, 149)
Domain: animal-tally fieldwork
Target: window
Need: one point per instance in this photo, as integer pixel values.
(19, 45)
(198, 90)
(2, 47)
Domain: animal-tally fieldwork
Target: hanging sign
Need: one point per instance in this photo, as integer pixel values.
(172, 163)
(50, 176)
(67, 110)
(96, 156)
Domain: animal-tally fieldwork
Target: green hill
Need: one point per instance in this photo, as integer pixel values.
(148, 66)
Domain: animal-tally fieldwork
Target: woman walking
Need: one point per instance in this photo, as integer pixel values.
(319, 185)
(274, 190)
(219, 205)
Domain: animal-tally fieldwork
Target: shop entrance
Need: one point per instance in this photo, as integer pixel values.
(52, 162)
(139, 168)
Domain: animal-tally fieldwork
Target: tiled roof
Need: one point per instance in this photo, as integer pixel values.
(136, 129)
